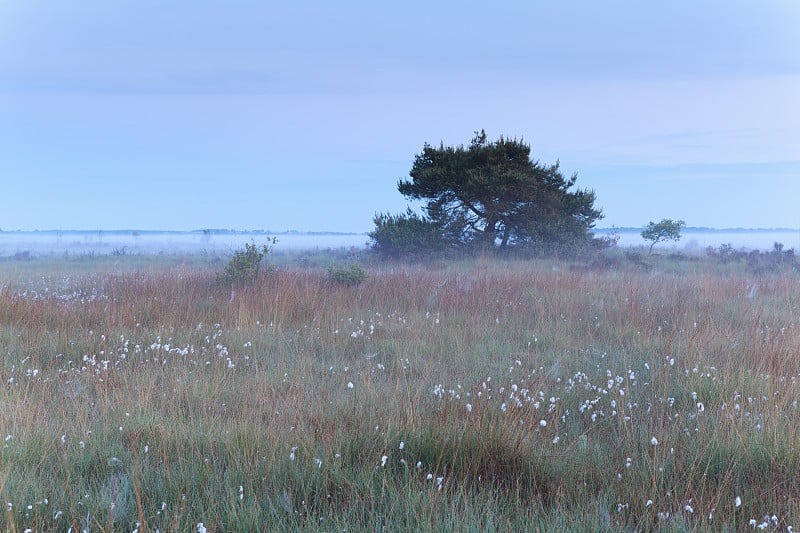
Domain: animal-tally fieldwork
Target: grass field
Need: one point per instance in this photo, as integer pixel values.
(479, 396)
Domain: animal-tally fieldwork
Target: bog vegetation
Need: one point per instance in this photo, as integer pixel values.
(659, 394)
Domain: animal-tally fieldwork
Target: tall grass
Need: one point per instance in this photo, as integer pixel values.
(480, 396)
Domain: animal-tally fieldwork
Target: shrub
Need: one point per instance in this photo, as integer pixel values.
(351, 275)
(757, 261)
(407, 235)
(245, 264)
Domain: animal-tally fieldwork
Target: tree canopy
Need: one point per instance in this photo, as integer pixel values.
(493, 195)
(665, 230)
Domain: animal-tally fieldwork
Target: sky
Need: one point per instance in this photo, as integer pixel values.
(245, 114)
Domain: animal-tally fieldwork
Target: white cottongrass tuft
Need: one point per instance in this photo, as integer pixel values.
(654, 441)
(201, 528)
(737, 502)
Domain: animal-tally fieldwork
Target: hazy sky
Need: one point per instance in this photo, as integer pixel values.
(143, 114)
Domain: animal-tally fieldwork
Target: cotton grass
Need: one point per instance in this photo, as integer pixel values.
(485, 393)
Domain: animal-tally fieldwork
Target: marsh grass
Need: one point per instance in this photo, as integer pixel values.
(525, 395)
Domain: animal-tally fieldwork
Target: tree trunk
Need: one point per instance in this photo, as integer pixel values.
(504, 242)
(490, 232)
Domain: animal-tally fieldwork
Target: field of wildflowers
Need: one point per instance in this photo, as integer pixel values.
(482, 396)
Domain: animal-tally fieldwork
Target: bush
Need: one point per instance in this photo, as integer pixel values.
(351, 275)
(245, 264)
(406, 235)
(756, 261)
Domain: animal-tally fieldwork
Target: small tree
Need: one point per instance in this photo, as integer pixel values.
(666, 230)
(245, 264)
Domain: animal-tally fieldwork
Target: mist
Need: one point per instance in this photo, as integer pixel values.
(28, 244)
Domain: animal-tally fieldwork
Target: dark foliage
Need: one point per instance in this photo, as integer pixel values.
(489, 196)
(407, 235)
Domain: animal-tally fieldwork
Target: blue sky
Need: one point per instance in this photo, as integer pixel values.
(263, 115)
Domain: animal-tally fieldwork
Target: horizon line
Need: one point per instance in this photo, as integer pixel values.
(332, 232)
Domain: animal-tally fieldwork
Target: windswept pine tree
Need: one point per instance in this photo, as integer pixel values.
(492, 195)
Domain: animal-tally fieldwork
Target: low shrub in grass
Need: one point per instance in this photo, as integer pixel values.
(245, 264)
(351, 275)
